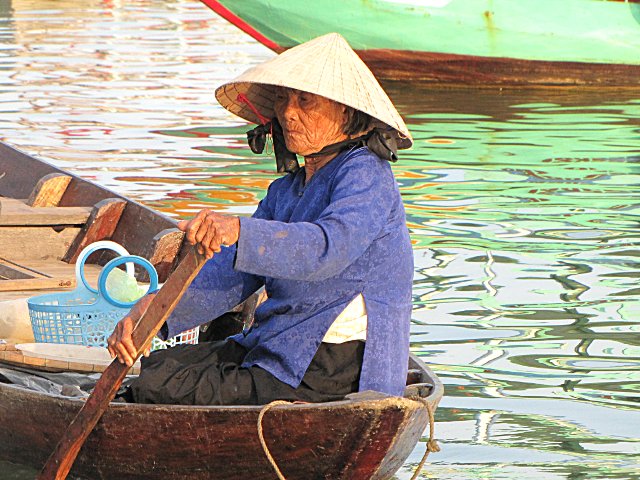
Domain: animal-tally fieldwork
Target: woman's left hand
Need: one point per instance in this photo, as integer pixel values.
(120, 343)
(210, 230)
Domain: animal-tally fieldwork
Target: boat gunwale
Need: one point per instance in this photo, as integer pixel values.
(78, 178)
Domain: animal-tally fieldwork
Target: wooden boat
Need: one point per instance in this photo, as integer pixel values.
(366, 436)
(46, 216)
(477, 42)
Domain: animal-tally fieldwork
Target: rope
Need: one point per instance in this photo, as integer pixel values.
(432, 444)
(264, 410)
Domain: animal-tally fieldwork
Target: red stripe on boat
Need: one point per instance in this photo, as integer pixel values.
(231, 17)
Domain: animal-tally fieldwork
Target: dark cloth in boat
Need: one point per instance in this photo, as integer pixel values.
(210, 373)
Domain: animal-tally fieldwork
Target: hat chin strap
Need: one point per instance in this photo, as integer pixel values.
(380, 141)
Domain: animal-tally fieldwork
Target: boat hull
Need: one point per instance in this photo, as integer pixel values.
(367, 436)
(488, 42)
(469, 70)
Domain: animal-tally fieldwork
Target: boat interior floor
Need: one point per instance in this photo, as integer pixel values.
(25, 277)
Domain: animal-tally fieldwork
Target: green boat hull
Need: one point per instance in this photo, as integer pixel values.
(518, 42)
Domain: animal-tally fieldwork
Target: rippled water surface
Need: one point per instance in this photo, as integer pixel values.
(523, 208)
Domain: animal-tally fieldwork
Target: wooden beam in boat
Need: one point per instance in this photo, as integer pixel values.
(14, 277)
(49, 190)
(53, 268)
(22, 172)
(46, 242)
(17, 213)
(137, 229)
(163, 252)
(101, 225)
(35, 283)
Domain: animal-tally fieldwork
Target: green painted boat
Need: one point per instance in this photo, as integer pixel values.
(477, 42)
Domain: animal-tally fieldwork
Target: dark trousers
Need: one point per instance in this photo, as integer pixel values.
(210, 374)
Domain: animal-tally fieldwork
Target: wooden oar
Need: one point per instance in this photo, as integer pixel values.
(62, 458)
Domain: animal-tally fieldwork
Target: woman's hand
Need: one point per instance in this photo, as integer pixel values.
(120, 343)
(210, 230)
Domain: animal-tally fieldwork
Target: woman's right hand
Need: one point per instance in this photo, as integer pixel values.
(210, 230)
(120, 343)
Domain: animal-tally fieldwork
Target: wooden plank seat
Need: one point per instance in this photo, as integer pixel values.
(37, 228)
(16, 213)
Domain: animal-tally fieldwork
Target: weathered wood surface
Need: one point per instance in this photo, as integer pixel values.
(367, 436)
(137, 230)
(47, 233)
(101, 225)
(137, 227)
(49, 190)
(44, 243)
(162, 252)
(21, 172)
(13, 271)
(56, 269)
(17, 213)
(36, 283)
(19, 357)
(61, 460)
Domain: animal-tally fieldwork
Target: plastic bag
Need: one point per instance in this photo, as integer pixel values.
(123, 287)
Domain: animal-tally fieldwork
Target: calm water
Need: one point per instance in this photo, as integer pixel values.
(523, 208)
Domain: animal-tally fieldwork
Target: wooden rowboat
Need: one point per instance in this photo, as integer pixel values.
(366, 436)
(46, 217)
(470, 42)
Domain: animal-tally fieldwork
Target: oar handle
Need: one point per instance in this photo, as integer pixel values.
(61, 460)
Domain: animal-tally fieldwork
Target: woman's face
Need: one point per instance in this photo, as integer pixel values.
(310, 122)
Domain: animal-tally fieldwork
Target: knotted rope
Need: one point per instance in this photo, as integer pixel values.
(432, 444)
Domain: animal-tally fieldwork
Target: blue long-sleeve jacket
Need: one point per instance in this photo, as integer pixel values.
(315, 247)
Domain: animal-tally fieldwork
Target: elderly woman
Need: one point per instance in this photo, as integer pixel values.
(328, 242)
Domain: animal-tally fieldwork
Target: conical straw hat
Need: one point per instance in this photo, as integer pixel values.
(326, 66)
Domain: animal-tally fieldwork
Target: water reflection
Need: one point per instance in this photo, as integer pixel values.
(522, 208)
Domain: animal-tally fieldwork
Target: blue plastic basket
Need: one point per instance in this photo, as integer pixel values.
(86, 315)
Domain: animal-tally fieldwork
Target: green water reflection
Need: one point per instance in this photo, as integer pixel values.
(523, 208)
